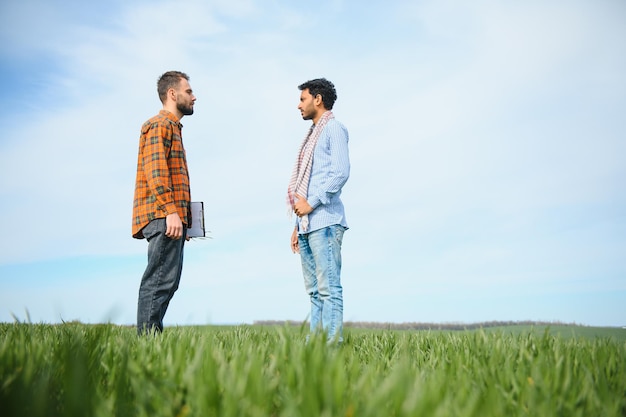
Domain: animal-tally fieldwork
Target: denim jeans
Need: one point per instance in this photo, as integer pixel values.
(320, 253)
(161, 277)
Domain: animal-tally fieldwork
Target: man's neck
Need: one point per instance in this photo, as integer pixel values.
(319, 115)
(174, 111)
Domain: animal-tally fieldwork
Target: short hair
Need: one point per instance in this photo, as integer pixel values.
(169, 80)
(322, 87)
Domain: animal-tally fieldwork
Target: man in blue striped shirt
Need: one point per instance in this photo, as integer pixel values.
(321, 170)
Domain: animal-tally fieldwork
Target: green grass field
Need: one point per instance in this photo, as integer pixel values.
(106, 370)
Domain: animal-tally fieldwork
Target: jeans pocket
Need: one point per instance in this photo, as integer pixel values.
(337, 233)
(153, 228)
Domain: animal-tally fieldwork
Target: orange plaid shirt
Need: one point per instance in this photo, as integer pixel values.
(162, 184)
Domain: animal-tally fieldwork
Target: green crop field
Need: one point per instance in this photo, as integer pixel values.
(84, 370)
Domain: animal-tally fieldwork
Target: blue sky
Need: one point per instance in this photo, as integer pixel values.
(487, 146)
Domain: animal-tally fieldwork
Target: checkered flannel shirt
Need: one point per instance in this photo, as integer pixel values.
(162, 183)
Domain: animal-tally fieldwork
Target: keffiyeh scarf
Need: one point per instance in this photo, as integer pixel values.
(299, 182)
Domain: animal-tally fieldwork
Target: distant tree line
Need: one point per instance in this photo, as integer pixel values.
(420, 326)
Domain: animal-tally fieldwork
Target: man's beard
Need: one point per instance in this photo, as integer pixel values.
(186, 110)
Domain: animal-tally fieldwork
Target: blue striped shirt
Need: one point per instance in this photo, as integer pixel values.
(329, 173)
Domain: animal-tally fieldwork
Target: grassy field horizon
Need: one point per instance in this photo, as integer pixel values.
(565, 329)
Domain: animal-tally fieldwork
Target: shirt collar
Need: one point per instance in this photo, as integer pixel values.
(171, 117)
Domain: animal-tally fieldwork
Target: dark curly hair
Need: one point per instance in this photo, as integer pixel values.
(322, 87)
(169, 80)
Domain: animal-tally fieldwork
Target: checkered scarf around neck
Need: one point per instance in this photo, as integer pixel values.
(299, 182)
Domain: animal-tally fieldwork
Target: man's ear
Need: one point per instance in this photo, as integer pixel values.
(318, 100)
(171, 94)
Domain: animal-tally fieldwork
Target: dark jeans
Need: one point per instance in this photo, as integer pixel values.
(161, 278)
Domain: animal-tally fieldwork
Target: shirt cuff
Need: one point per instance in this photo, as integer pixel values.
(314, 202)
(170, 209)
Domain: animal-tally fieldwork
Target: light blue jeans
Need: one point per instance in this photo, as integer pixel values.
(320, 253)
(161, 277)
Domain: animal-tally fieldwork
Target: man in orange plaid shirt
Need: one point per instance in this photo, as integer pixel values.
(161, 208)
